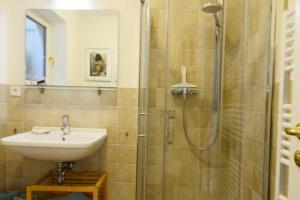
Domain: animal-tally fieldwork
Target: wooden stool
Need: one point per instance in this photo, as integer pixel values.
(93, 184)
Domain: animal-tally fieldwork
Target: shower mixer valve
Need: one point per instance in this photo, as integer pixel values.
(183, 91)
(184, 88)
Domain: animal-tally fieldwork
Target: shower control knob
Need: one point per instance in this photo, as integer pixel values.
(177, 91)
(180, 91)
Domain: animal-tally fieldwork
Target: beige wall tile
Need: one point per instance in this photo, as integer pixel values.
(85, 116)
(158, 18)
(3, 156)
(14, 184)
(126, 173)
(15, 112)
(158, 38)
(127, 135)
(126, 154)
(159, 4)
(70, 97)
(186, 193)
(156, 173)
(109, 98)
(127, 117)
(3, 185)
(92, 160)
(15, 128)
(206, 21)
(33, 169)
(124, 191)
(12, 156)
(3, 112)
(187, 176)
(127, 97)
(112, 170)
(111, 153)
(3, 168)
(32, 96)
(112, 136)
(183, 157)
(188, 19)
(52, 96)
(175, 4)
(252, 23)
(33, 116)
(14, 169)
(154, 192)
(155, 155)
(52, 114)
(89, 97)
(108, 117)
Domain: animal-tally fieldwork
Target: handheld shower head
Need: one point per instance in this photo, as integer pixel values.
(212, 7)
(218, 22)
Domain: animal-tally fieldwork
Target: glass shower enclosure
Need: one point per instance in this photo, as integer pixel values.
(204, 92)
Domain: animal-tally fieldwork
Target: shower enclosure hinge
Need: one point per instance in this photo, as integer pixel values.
(142, 135)
(143, 113)
(143, 1)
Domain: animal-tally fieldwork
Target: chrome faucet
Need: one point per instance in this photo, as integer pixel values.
(65, 127)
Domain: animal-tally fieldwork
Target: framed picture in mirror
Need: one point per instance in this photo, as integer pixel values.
(98, 64)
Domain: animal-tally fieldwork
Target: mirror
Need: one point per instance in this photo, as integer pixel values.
(71, 47)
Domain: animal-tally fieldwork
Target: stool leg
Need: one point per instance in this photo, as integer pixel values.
(105, 191)
(95, 194)
(28, 193)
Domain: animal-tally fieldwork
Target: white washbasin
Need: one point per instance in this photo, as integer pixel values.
(54, 146)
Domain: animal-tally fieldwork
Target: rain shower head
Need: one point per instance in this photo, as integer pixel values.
(212, 7)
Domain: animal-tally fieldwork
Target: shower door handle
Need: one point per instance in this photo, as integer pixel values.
(142, 114)
(171, 118)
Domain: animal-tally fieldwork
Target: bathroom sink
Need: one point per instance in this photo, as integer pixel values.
(54, 146)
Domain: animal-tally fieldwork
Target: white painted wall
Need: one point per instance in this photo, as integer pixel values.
(57, 71)
(12, 32)
(88, 30)
(3, 42)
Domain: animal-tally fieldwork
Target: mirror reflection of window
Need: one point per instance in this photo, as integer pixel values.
(35, 52)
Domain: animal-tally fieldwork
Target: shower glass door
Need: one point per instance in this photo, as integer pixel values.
(192, 174)
(181, 34)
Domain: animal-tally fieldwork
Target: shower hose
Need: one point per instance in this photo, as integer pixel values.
(193, 146)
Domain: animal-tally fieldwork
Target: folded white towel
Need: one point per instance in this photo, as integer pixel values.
(40, 130)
